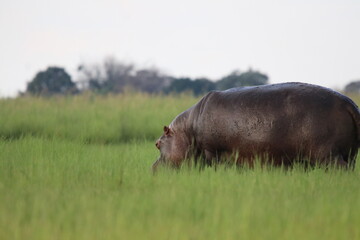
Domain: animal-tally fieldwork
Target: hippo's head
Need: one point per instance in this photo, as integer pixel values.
(173, 146)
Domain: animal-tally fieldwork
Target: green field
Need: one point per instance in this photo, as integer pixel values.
(79, 168)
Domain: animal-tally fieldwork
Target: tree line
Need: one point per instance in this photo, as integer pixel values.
(112, 76)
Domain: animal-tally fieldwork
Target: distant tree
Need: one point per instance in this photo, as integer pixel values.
(202, 86)
(179, 85)
(113, 76)
(353, 87)
(54, 80)
(196, 87)
(90, 78)
(150, 81)
(239, 79)
(117, 75)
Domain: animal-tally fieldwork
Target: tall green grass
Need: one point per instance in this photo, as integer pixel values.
(59, 179)
(91, 118)
(55, 189)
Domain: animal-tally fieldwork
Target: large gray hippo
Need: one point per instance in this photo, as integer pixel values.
(282, 123)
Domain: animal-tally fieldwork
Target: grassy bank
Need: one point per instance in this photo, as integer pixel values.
(91, 118)
(59, 180)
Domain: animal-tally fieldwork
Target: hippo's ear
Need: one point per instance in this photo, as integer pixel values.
(167, 131)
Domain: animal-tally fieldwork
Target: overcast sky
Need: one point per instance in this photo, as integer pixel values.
(315, 41)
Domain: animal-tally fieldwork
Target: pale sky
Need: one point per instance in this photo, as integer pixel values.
(314, 41)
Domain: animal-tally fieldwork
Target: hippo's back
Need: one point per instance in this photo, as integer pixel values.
(281, 120)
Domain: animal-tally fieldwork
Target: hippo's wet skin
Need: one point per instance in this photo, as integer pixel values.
(281, 122)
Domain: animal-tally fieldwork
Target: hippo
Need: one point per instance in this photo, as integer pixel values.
(282, 123)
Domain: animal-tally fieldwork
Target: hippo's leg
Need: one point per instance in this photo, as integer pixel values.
(209, 157)
(340, 162)
(336, 160)
(245, 161)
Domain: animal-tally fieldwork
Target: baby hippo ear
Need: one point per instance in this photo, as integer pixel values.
(167, 131)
